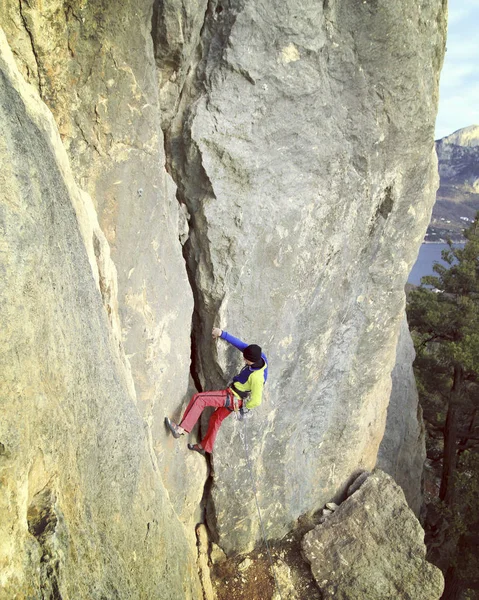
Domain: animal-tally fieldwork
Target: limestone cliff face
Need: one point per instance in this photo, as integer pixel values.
(458, 157)
(264, 167)
(302, 146)
(457, 199)
(94, 66)
(84, 513)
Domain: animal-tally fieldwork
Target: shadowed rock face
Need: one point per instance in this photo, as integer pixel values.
(298, 139)
(372, 547)
(403, 448)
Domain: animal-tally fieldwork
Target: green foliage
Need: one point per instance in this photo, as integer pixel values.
(467, 481)
(444, 310)
(466, 515)
(443, 314)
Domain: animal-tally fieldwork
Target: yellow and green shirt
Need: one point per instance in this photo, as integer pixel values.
(249, 381)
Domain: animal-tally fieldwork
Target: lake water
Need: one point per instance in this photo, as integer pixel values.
(428, 255)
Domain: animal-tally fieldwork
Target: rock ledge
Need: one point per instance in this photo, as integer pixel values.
(372, 547)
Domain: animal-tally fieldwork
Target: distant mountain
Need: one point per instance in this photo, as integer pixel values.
(457, 198)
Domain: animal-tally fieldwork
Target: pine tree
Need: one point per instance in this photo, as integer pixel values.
(444, 312)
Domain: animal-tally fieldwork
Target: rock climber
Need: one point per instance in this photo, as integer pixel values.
(244, 393)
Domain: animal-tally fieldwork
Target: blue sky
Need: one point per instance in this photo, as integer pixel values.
(459, 88)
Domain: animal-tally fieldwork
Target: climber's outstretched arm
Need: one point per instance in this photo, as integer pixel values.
(224, 335)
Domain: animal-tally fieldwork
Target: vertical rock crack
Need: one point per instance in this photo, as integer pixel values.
(184, 164)
(32, 42)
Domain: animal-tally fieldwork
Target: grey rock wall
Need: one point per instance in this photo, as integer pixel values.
(303, 149)
(403, 448)
(83, 510)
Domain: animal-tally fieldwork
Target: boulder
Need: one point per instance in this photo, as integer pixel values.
(217, 555)
(372, 547)
(357, 482)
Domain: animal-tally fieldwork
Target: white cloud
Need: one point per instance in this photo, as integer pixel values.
(457, 112)
(458, 48)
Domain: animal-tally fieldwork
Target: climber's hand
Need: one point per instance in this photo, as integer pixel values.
(244, 413)
(216, 333)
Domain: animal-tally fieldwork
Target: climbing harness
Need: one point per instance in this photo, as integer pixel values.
(243, 413)
(253, 484)
(235, 404)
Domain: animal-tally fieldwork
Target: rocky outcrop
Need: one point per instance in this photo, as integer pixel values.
(458, 155)
(272, 163)
(467, 137)
(458, 194)
(292, 152)
(84, 513)
(403, 448)
(372, 547)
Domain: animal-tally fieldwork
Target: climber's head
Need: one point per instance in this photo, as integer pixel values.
(252, 354)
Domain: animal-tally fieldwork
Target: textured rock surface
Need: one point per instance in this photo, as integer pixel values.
(94, 66)
(300, 136)
(303, 149)
(403, 448)
(203, 568)
(83, 512)
(372, 547)
(458, 194)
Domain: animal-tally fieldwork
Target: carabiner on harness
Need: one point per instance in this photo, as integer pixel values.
(243, 413)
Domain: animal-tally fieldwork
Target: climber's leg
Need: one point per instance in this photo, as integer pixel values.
(216, 419)
(198, 403)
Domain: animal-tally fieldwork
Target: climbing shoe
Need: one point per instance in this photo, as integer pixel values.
(197, 448)
(173, 427)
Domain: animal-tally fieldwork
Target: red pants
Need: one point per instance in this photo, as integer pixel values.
(194, 409)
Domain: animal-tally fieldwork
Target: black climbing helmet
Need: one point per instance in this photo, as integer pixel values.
(252, 353)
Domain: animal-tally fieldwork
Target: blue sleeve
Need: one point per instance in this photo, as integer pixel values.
(237, 343)
(263, 356)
